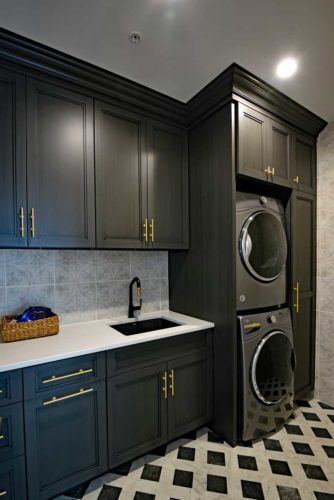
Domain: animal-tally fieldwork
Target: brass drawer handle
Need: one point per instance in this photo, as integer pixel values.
(296, 179)
(268, 171)
(172, 387)
(164, 387)
(152, 230)
(22, 222)
(32, 219)
(296, 305)
(54, 399)
(55, 378)
(3, 493)
(145, 234)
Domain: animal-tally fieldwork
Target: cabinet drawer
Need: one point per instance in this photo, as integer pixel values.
(129, 358)
(11, 431)
(10, 387)
(42, 379)
(13, 479)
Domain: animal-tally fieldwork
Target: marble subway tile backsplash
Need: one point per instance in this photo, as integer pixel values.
(81, 285)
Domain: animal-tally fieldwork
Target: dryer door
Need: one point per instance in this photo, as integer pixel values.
(272, 368)
(263, 245)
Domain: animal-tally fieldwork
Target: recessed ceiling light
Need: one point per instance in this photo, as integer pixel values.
(286, 68)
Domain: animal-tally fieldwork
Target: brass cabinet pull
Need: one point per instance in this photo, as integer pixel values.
(273, 171)
(296, 305)
(55, 378)
(56, 399)
(164, 387)
(152, 230)
(172, 387)
(268, 170)
(296, 179)
(32, 219)
(3, 493)
(22, 222)
(145, 234)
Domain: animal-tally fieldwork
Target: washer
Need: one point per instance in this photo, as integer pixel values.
(261, 252)
(267, 372)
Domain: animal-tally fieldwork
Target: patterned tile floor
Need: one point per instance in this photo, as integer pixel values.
(297, 462)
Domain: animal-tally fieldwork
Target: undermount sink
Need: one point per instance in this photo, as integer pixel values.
(148, 325)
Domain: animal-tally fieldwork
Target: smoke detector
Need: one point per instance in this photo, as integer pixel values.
(135, 37)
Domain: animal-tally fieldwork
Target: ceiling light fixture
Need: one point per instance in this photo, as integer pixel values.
(286, 68)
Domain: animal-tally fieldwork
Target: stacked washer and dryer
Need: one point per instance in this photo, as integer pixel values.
(264, 321)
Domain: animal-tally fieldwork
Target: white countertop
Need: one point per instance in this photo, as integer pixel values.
(93, 336)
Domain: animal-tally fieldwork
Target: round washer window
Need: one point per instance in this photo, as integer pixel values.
(263, 246)
(272, 367)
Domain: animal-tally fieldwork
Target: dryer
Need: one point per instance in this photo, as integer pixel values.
(266, 373)
(261, 252)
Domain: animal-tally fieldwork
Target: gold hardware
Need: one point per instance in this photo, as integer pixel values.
(54, 399)
(32, 218)
(54, 378)
(268, 171)
(152, 230)
(252, 325)
(164, 388)
(296, 179)
(145, 234)
(296, 305)
(2, 436)
(172, 387)
(273, 171)
(3, 493)
(22, 222)
(138, 291)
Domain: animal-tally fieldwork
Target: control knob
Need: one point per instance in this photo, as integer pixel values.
(272, 319)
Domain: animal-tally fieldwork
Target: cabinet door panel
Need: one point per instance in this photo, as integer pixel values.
(137, 413)
(65, 439)
(251, 143)
(13, 479)
(60, 167)
(280, 153)
(168, 186)
(12, 159)
(303, 276)
(11, 431)
(304, 166)
(191, 405)
(121, 176)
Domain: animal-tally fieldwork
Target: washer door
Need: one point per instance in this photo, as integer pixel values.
(263, 245)
(273, 367)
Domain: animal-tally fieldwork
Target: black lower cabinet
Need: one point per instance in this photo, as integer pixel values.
(137, 413)
(66, 439)
(152, 405)
(13, 479)
(190, 393)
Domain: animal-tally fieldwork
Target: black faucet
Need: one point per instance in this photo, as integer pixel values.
(133, 308)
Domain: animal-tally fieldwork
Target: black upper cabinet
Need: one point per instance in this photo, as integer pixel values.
(304, 167)
(264, 147)
(13, 228)
(60, 166)
(121, 176)
(167, 186)
(141, 181)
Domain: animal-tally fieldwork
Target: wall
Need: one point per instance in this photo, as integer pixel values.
(81, 285)
(325, 272)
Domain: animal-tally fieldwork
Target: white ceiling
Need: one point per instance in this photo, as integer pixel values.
(186, 43)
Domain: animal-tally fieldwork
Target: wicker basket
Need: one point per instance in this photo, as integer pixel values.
(11, 331)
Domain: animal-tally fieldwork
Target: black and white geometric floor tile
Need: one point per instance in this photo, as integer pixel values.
(294, 463)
